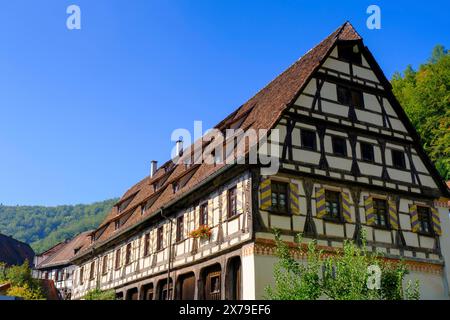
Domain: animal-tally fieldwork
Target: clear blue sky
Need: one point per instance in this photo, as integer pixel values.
(84, 112)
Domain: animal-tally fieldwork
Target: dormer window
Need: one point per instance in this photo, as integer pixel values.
(350, 53)
(176, 187)
(116, 224)
(217, 155)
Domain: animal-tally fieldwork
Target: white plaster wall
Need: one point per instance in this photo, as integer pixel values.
(445, 243)
(432, 286)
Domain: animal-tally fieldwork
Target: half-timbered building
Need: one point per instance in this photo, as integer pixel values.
(54, 264)
(350, 160)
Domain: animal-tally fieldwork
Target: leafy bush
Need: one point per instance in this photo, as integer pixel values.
(98, 294)
(342, 275)
(25, 292)
(22, 283)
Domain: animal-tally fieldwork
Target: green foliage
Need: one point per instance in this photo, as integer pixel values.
(22, 283)
(43, 227)
(425, 96)
(98, 294)
(343, 275)
(20, 275)
(294, 280)
(26, 292)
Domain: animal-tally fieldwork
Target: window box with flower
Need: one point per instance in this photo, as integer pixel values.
(202, 232)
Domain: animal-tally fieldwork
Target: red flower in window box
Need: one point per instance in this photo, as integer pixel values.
(203, 232)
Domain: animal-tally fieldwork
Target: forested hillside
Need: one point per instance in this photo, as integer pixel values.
(42, 227)
(425, 96)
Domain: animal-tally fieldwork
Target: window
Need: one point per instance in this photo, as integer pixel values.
(176, 187)
(180, 228)
(232, 202)
(398, 159)
(160, 239)
(116, 224)
(147, 244)
(117, 259)
(367, 152)
(92, 271)
(203, 219)
(350, 53)
(128, 254)
(357, 99)
(308, 139)
(215, 284)
(279, 197)
(164, 292)
(217, 154)
(57, 275)
(105, 265)
(380, 210)
(333, 205)
(343, 95)
(424, 215)
(339, 146)
(348, 97)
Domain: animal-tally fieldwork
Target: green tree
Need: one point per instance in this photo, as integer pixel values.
(425, 96)
(342, 275)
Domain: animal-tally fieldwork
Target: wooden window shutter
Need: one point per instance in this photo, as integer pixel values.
(346, 207)
(321, 209)
(266, 194)
(393, 220)
(436, 221)
(240, 198)
(210, 212)
(293, 198)
(415, 225)
(370, 214)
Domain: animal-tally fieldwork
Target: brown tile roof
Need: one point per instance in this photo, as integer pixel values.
(260, 112)
(66, 252)
(15, 252)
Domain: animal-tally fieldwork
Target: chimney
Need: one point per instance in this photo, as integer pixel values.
(179, 149)
(153, 168)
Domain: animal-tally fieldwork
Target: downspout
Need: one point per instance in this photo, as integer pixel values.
(170, 254)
